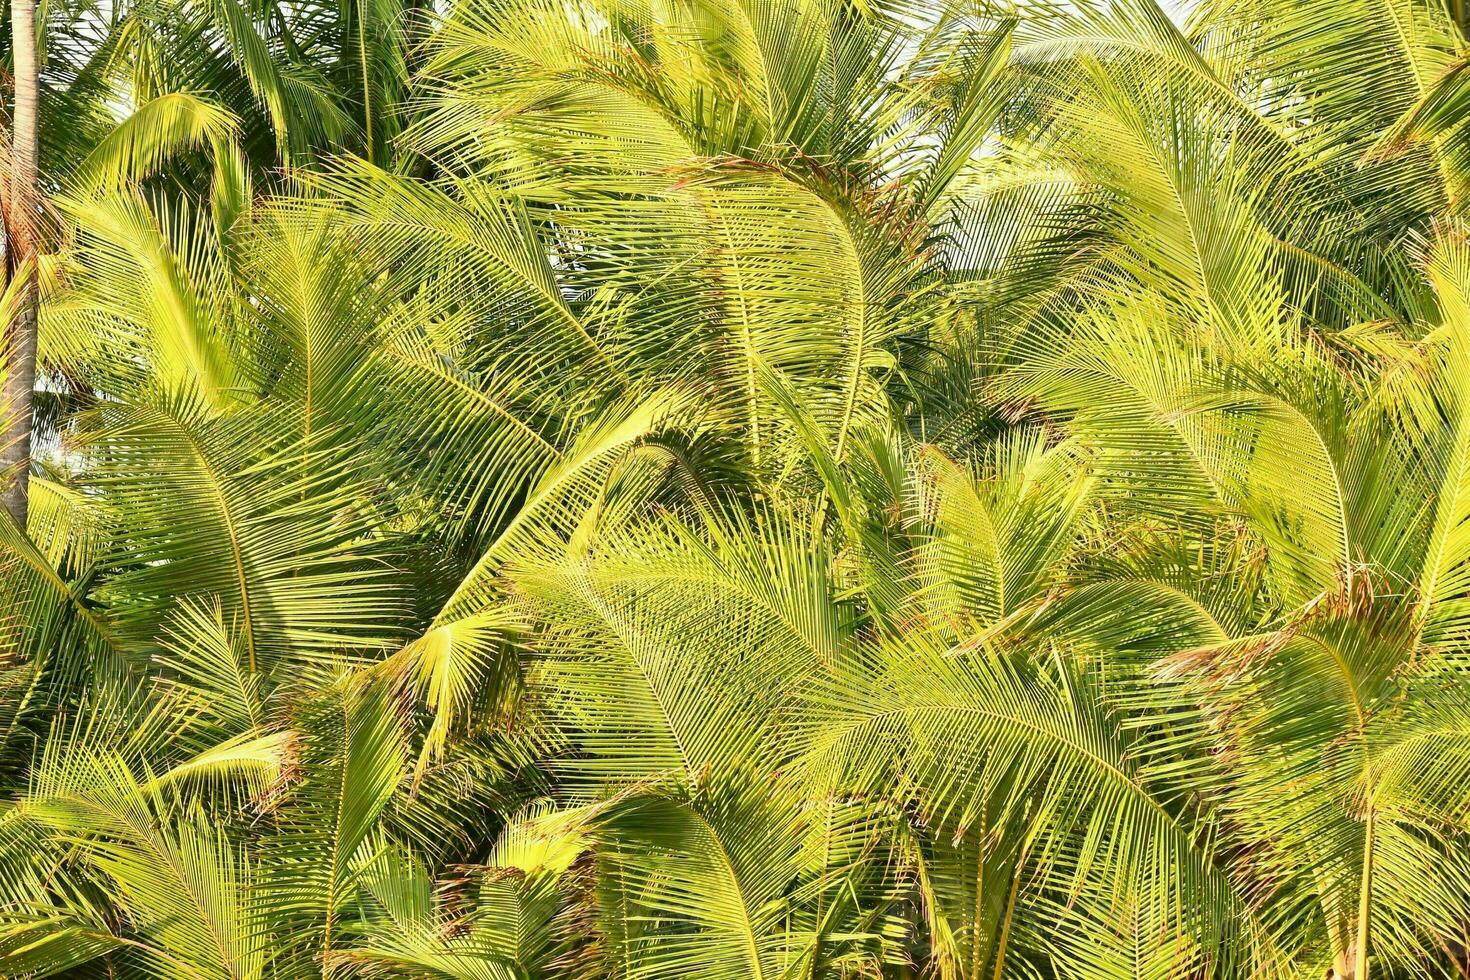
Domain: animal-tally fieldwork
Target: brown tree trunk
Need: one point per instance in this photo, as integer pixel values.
(20, 376)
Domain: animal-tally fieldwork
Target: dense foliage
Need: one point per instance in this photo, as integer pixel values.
(744, 489)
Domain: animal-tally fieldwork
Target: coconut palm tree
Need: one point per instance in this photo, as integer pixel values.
(714, 489)
(20, 255)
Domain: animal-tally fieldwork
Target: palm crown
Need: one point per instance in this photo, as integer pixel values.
(721, 489)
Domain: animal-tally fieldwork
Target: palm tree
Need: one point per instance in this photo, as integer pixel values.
(715, 489)
(20, 254)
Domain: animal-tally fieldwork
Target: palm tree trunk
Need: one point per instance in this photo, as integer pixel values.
(20, 378)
